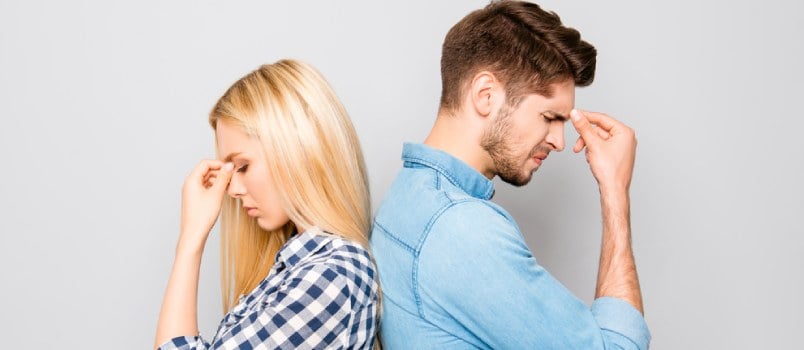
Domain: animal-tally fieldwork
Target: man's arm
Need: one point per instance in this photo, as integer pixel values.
(478, 280)
(610, 152)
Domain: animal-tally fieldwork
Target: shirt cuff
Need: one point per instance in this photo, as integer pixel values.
(622, 322)
(183, 343)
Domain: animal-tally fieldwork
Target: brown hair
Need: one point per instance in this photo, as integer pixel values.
(525, 47)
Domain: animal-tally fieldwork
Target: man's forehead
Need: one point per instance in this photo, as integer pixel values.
(559, 103)
(562, 99)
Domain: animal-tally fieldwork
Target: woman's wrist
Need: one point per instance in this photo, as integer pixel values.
(191, 244)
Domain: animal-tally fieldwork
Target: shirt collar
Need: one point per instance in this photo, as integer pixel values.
(302, 245)
(454, 169)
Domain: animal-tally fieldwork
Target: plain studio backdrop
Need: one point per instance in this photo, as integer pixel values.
(104, 112)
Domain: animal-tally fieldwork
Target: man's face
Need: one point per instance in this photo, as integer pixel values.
(519, 140)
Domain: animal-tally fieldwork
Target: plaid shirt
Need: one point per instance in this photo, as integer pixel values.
(320, 293)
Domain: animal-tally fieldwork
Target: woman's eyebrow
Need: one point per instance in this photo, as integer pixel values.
(230, 156)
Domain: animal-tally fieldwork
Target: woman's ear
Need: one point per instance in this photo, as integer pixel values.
(486, 93)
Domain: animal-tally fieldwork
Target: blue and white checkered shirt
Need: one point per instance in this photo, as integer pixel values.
(321, 293)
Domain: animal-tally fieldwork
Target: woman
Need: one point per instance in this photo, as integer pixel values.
(296, 271)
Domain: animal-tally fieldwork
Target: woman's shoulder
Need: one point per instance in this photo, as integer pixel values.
(345, 258)
(340, 251)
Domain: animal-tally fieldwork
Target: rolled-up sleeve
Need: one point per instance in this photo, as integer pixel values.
(622, 325)
(185, 343)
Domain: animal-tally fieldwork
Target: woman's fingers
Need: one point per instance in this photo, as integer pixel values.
(221, 178)
(217, 172)
(210, 177)
(203, 167)
(207, 173)
(201, 197)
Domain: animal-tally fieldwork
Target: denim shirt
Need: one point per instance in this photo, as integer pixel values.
(456, 273)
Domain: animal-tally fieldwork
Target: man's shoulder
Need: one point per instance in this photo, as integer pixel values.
(416, 196)
(417, 209)
(473, 210)
(470, 223)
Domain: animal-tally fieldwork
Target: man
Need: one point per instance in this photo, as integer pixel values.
(454, 268)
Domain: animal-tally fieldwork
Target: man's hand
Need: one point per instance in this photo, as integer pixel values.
(610, 148)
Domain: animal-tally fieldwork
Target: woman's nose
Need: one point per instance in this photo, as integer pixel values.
(236, 188)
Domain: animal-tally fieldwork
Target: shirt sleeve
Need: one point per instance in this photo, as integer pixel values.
(310, 310)
(478, 280)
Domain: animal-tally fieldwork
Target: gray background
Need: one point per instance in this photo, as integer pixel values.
(104, 108)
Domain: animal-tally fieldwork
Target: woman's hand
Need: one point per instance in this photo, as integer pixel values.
(202, 195)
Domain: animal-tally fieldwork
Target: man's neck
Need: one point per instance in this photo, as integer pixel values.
(460, 137)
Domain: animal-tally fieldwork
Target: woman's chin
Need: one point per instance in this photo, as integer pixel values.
(270, 225)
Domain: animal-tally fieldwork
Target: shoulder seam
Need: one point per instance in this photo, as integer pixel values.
(395, 238)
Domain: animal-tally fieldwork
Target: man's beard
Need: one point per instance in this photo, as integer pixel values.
(496, 141)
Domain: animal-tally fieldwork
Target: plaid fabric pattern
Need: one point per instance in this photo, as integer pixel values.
(320, 294)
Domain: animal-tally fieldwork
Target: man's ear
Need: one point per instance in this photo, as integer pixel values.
(486, 93)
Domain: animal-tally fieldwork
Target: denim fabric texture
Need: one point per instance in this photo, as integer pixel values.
(456, 273)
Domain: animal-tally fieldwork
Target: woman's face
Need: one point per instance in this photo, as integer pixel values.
(251, 182)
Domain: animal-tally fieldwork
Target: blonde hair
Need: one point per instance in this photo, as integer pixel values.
(312, 153)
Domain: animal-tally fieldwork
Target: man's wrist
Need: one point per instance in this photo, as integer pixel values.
(615, 205)
(613, 188)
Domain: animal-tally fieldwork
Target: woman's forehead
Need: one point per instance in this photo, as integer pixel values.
(232, 141)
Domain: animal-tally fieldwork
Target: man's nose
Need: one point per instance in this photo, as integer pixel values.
(555, 136)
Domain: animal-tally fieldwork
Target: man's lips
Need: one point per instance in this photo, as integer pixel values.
(539, 158)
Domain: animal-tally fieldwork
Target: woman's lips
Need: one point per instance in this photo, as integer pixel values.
(250, 211)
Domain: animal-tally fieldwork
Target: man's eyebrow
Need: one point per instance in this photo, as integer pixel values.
(230, 156)
(558, 116)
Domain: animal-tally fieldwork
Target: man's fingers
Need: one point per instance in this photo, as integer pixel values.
(601, 133)
(582, 126)
(579, 145)
(603, 121)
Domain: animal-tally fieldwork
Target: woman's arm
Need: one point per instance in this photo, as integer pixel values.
(201, 202)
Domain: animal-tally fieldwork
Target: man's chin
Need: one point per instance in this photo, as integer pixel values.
(518, 181)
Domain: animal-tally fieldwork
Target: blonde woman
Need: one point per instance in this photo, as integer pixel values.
(290, 184)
